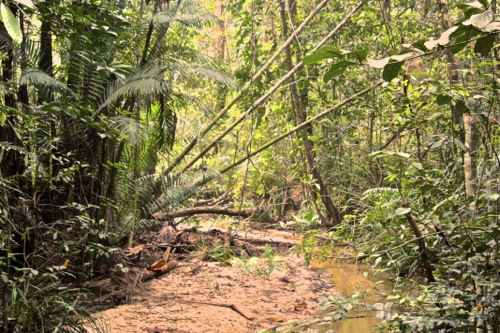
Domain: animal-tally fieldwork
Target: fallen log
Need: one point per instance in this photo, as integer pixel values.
(205, 210)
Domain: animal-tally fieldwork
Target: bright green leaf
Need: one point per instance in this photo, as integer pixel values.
(326, 52)
(391, 70)
(336, 70)
(11, 24)
(359, 54)
(3, 118)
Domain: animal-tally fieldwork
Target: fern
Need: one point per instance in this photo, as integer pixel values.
(377, 191)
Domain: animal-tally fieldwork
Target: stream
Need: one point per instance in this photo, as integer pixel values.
(350, 279)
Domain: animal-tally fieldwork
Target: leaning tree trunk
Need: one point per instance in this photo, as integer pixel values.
(298, 105)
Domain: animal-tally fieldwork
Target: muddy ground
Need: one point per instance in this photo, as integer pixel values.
(202, 295)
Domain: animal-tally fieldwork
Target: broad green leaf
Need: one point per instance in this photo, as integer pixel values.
(484, 44)
(336, 70)
(391, 70)
(402, 211)
(359, 54)
(326, 52)
(461, 38)
(420, 45)
(443, 99)
(11, 24)
(3, 118)
(27, 3)
(461, 106)
(480, 20)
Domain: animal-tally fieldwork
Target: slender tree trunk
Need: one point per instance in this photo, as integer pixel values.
(299, 103)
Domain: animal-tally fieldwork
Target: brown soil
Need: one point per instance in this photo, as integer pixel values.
(197, 295)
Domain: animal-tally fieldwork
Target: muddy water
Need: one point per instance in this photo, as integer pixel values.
(350, 279)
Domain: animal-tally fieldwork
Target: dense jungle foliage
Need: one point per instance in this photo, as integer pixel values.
(384, 116)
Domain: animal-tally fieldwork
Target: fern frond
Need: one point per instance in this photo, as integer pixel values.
(378, 190)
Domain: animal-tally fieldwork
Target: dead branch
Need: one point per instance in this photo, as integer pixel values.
(205, 210)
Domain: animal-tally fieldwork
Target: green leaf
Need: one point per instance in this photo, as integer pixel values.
(3, 118)
(11, 24)
(461, 107)
(326, 52)
(359, 54)
(460, 144)
(391, 70)
(420, 45)
(443, 99)
(461, 38)
(402, 211)
(484, 44)
(336, 70)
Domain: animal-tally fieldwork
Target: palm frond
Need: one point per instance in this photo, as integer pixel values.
(144, 82)
(130, 128)
(40, 78)
(167, 122)
(188, 13)
(212, 74)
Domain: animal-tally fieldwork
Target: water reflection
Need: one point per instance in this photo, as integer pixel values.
(357, 280)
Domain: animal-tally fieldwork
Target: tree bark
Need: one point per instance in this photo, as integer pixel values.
(298, 105)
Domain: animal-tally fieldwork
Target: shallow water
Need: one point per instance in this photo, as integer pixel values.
(350, 279)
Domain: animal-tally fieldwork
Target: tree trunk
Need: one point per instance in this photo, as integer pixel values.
(299, 103)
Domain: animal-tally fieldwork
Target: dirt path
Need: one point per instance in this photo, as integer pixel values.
(195, 297)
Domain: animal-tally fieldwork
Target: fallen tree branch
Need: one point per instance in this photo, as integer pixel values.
(233, 307)
(205, 210)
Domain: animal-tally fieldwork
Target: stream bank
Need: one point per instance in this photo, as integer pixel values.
(264, 292)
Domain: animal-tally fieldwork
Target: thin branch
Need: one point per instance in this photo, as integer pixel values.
(298, 127)
(221, 114)
(271, 91)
